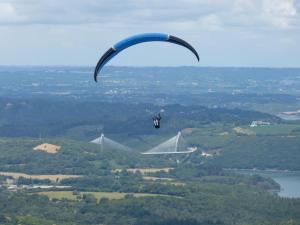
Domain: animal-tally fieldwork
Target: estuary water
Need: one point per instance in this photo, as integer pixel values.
(288, 181)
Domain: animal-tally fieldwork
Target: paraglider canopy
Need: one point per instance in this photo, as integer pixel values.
(136, 39)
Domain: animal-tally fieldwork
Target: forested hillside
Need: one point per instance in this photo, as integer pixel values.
(84, 120)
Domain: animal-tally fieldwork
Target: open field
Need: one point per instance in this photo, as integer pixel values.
(163, 180)
(38, 177)
(98, 195)
(145, 170)
(244, 131)
(157, 178)
(275, 129)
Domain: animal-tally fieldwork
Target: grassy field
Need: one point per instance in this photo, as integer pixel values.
(244, 131)
(275, 129)
(38, 177)
(98, 195)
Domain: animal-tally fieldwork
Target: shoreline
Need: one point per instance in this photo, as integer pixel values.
(261, 170)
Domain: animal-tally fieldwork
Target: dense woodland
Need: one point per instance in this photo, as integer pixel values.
(213, 200)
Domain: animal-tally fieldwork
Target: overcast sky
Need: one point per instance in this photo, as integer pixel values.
(224, 32)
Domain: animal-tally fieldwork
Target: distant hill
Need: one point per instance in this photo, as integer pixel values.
(85, 120)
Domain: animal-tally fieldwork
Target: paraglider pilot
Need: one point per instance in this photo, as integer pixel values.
(156, 121)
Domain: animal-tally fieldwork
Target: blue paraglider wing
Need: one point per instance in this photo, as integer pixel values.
(136, 39)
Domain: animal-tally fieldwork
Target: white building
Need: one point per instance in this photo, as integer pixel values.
(259, 123)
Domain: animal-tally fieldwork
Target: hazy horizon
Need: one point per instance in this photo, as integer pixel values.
(141, 66)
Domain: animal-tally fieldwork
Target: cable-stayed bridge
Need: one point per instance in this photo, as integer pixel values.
(106, 143)
(174, 145)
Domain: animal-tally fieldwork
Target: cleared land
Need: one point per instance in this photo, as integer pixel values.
(49, 148)
(98, 195)
(38, 177)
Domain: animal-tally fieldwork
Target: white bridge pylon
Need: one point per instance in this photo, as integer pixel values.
(106, 143)
(175, 145)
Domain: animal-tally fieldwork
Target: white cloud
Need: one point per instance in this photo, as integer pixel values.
(211, 22)
(200, 14)
(281, 8)
(7, 12)
(6, 9)
(279, 13)
(226, 32)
